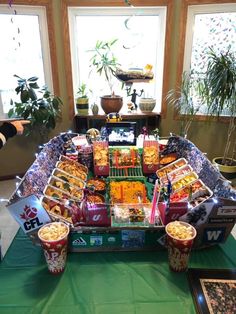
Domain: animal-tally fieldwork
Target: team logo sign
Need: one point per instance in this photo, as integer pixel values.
(29, 213)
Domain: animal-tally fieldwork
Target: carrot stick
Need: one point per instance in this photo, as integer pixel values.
(121, 193)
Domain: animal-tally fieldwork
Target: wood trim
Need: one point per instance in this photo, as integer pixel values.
(183, 23)
(101, 3)
(114, 3)
(26, 2)
(182, 35)
(67, 55)
(167, 55)
(51, 35)
(199, 2)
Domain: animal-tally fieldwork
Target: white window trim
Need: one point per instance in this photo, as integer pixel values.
(200, 9)
(40, 11)
(80, 11)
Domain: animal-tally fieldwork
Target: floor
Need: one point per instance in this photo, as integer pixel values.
(8, 226)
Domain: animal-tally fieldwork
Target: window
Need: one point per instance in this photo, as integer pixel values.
(208, 26)
(141, 40)
(25, 51)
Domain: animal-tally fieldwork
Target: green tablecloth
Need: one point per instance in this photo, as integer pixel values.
(101, 283)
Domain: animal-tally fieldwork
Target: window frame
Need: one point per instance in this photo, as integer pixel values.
(73, 13)
(47, 35)
(117, 3)
(185, 36)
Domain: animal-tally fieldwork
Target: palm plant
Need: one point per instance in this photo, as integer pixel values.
(181, 99)
(218, 92)
(105, 63)
(104, 60)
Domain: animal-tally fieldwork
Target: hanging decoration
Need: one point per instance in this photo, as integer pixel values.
(14, 13)
(126, 2)
(134, 39)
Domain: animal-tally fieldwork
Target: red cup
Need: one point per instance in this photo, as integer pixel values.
(162, 144)
(179, 248)
(54, 240)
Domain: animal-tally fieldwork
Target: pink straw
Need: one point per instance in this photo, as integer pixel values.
(155, 199)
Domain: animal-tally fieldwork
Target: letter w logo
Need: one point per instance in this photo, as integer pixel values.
(214, 235)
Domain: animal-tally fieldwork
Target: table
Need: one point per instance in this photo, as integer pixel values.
(101, 283)
(148, 119)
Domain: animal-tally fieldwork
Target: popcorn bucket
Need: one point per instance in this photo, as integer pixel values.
(54, 239)
(180, 236)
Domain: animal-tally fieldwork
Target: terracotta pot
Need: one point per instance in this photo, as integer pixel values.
(111, 103)
(228, 171)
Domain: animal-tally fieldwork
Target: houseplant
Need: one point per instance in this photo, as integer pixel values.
(38, 105)
(181, 99)
(218, 92)
(82, 100)
(105, 63)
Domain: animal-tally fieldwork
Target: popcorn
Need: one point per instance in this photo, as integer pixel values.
(54, 241)
(179, 231)
(53, 231)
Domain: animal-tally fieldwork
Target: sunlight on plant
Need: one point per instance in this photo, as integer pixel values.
(36, 104)
(181, 99)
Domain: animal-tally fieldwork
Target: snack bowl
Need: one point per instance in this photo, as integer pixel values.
(98, 184)
(167, 159)
(95, 198)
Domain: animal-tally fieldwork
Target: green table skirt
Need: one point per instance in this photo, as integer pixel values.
(101, 283)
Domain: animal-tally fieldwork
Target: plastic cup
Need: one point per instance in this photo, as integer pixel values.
(180, 237)
(54, 239)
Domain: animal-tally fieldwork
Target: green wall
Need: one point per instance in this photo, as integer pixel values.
(19, 153)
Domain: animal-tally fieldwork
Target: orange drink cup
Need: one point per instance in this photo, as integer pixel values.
(180, 237)
(54, 239)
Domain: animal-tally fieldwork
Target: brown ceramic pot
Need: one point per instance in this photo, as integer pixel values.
(111, 103)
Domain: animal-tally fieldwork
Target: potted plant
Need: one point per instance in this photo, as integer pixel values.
(218, 92)
(82, 100)
(36, 104)
(105, 63)
(181, 99)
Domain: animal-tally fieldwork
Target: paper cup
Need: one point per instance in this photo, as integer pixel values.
(54, 239)
(162, 144)
(180, 237)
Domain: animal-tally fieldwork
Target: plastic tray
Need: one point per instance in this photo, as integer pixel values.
(73, 162)
(66, 187)
(176, 174)
(171, 167)
(77, 182)
(184, 180)
(199, 192)
(71, 169)
(59, 194)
